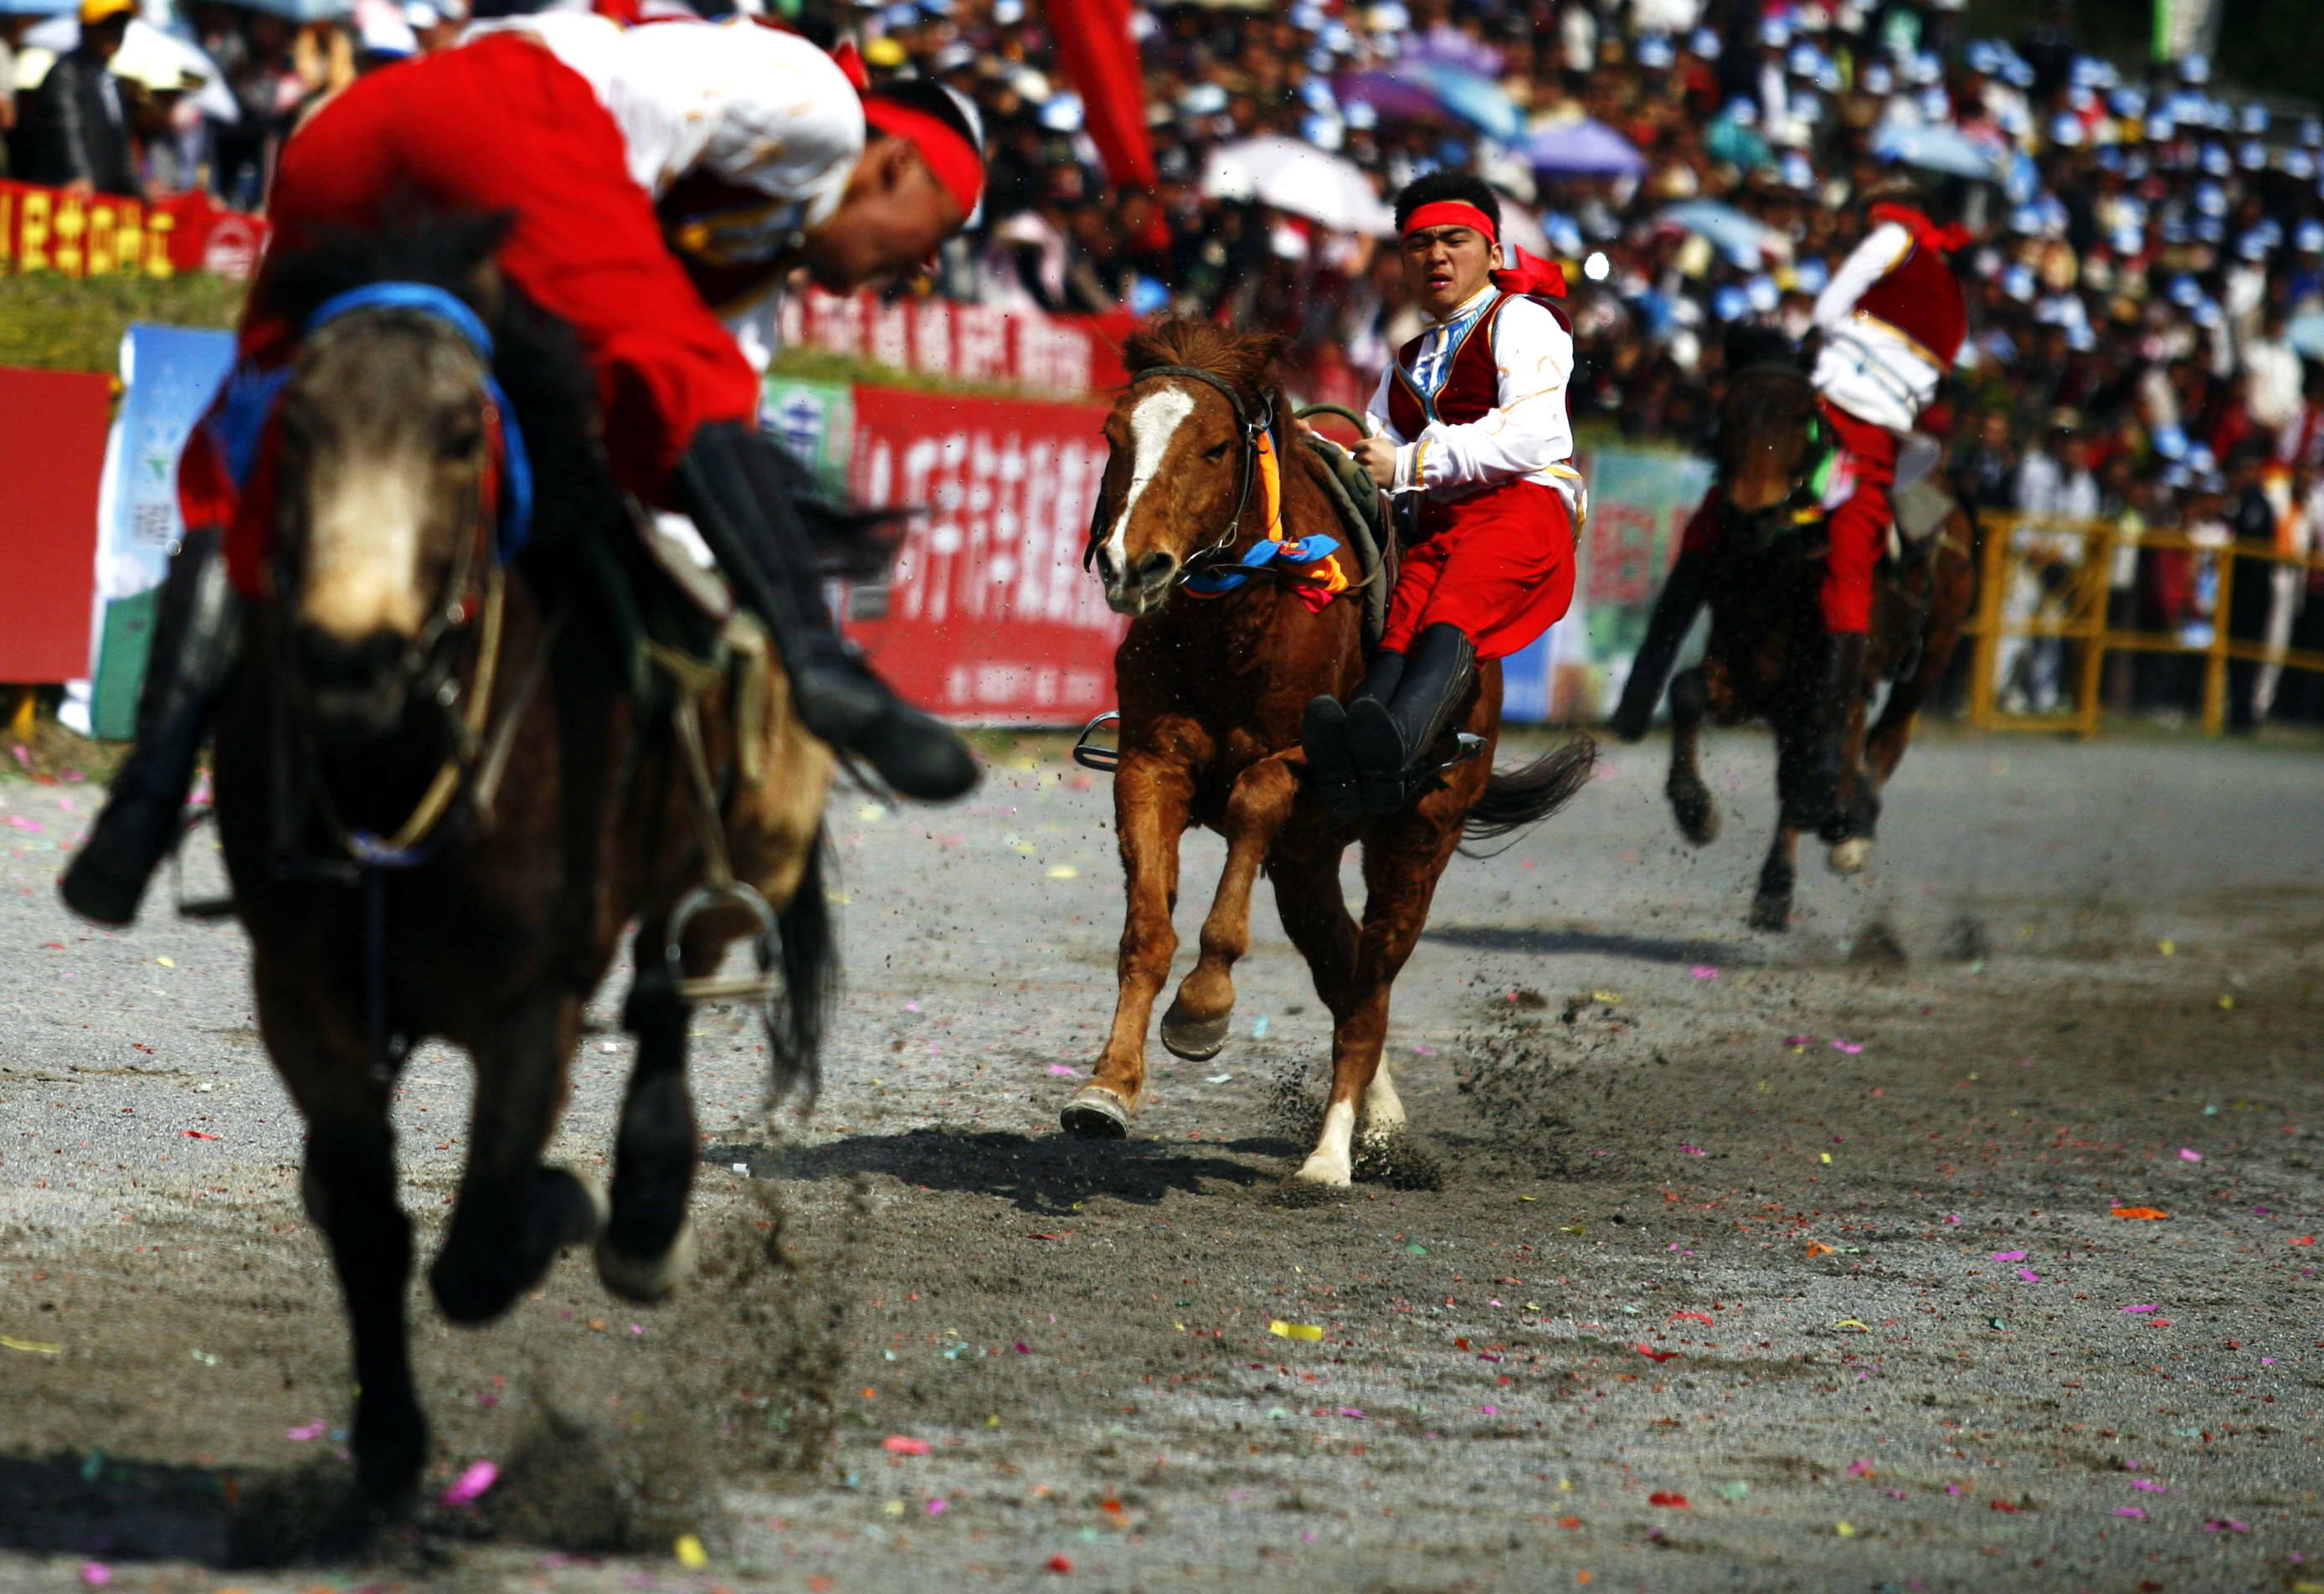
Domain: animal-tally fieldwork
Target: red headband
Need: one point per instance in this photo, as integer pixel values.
(950, 156)
(1452, 213)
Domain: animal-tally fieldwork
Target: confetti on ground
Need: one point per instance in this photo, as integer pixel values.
(479, 1477)
(2009, 1256)
(95, 1574)
(1675, 1501)
(305, 1431)
(898, 1444)
(1064, 871)
(2189, 1154)
(1850, 1046)
(690, 1553)
(2148, 1307)
(2140, 1214)
(30, 1347)
(1293, 1331)
(1063, 1072)
(1705, 972)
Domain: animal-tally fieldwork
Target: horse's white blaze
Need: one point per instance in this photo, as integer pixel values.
(1154, 420)
(1330, 1162)
(1383, 1109)
(363, 551)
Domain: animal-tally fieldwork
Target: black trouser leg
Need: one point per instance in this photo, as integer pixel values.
(1391, 739)
(1684, 593)
(742, 501)
(194, 633)
(1324, 737)
(1834, 675)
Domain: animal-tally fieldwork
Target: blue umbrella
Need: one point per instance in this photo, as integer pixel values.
(1475, 98)
(297, 11)
(1583, 148)
(38, 7)
(2305, 333)
(1738, 236)
(1939, 149)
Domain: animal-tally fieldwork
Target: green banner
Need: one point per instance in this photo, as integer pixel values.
(1639, 502)
(815, 420)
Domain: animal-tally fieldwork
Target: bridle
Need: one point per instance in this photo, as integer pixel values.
(1251, 425)
(499, 523)
(1802, 503)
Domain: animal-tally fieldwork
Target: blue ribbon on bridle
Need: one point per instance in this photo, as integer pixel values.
(248, 402)
(1304, 550)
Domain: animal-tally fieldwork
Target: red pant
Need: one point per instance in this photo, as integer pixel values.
(1498, 565)
(502, 125)
(1858, 526)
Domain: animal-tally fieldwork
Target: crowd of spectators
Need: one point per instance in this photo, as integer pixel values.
(2147, 291)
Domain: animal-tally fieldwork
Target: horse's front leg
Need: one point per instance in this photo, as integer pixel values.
(647, 1249)
(1850, 835)
(1692, 803)
(1195, 1027)
(512, 1215)
(350, 1192)
(1403, 858)
(1771, 909)
(1152, 797)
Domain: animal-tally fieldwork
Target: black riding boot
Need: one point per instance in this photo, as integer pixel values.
(195, 631)
(1835, 679)
(1391, 740)
(742, 501)
(1323, 736)
(1684, 591)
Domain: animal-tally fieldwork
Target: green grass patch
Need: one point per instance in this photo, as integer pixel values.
(54, 323)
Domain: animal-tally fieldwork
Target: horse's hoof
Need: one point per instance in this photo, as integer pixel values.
(1197, 1040)
(648, 1280)
(1327, 1171)
(1095, 1113)
(1698, 817)
(1851, 856)
(1771, 913)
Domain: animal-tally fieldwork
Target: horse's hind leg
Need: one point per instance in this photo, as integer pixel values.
(1315, 914)
(512, 1215)
(1195, 1027)
(1850, 836)
(1692, 803)
(350, 1191)
(647, 1251)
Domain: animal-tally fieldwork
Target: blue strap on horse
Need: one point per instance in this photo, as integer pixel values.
(515, 523)
(1305, 550)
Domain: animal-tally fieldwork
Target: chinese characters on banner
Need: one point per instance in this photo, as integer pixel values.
(99, 234)
(1067, 357)
(990, 616)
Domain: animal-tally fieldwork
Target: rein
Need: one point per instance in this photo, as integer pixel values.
(1803, 504)
(1250, 425)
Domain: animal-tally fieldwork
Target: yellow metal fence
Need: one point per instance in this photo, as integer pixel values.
(2070, 562)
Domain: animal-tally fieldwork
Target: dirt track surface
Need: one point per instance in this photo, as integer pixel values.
(1717, 1288)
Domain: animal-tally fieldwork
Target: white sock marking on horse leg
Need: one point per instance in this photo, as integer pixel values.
(1383, 1108)
(1152, 424)
(1329, 1163)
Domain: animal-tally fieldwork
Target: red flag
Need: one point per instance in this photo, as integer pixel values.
(1100, 61)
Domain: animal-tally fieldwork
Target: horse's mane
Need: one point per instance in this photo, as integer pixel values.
(536, 358)
(1244, 361)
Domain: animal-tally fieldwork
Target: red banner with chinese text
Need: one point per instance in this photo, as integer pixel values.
(46, 229)
(1070, 356)
(988, 616)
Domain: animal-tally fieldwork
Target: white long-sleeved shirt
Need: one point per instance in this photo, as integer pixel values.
(1865, 367)
(1525, 436)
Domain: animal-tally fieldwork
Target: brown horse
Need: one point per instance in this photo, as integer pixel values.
(1212, 691)
(1767, 569)
(399, 671)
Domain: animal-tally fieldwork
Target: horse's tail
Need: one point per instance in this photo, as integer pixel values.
(1530, 792)
(796, 1020)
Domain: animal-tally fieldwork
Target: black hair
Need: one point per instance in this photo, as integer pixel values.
(930, 99)
(1462, 188)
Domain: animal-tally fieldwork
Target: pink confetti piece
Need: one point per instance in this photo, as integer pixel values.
(18, 822)
(2150, 1485)
(2009, 1256)
(1860, 1467)
(939, 1505)
(898, 1444)
(1694, 1150)
(94, 1573)
(1351, 1411)
(1704, 971)
(2131, 1511)
(2189, 1154)
(2029, 1276)
(479, 1477)
(24, 758)
(1062, 1072)
(1490, 1411)
(1850, 1046)
(2226, 1524)
(305, 1431)
(2149, 1306)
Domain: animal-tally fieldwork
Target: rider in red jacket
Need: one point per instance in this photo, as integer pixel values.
(620, 157)
(1892, 319)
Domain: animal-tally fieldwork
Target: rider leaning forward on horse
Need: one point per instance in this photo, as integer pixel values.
(1891, 322)
(1469, 430)
(621, 160)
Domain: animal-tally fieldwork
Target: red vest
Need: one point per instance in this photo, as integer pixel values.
(1920, 298)
(1471, 386)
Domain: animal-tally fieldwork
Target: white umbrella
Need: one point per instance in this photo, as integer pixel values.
(160, 60)
(1300, 179)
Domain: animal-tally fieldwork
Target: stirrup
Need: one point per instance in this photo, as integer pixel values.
(1104, 760)
(202, 908)
(1466, 745)
(757, 988)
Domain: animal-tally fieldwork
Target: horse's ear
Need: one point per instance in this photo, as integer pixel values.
(487, 290)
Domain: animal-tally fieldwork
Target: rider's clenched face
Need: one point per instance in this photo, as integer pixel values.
(1446, 266)
(894, 214)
